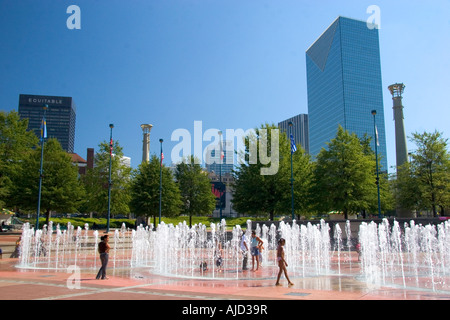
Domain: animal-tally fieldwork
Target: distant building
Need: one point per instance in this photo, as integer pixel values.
(345, 85)
(60, 117)
(220, 159)
(227, 197)
(79, 162)
(125, 161)
(300, 130)
(90, 158)
(82, 164)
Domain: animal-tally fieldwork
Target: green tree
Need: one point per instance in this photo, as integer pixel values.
(406, 189)
(195, 189)
(425, 182)
(386, 187)
(344, 179)
(96, 182)
(303, 174)
(61, 188)
(145, 191)
(16, 142)
(255, 193)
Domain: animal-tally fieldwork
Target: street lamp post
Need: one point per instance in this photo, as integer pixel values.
(220, 176)
(160, 180)
(374, 113)
(292, 176)
(41, 170)
(111, 126)
(433, 194)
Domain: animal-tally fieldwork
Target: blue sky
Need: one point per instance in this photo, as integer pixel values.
(228, 63)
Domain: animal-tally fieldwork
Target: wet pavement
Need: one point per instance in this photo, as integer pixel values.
(141, 284)
(126, 283)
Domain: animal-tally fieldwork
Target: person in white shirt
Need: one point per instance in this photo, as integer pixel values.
(244, 249)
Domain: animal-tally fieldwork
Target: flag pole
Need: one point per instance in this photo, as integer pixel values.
(111, 146)
(220, 177)
(376, 142)
(41, 170)
(160, 180)
(292, 170)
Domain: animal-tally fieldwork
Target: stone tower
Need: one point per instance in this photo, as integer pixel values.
(146, 142)
(400, 137)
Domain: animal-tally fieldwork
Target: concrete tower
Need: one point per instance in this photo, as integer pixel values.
(400, 137)
(146, 142)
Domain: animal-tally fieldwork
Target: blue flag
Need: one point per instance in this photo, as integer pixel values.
(293, 146)
(43, 129)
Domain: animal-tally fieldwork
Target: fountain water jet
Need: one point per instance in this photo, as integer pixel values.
(416, 255)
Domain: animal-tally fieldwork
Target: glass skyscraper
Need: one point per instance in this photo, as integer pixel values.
(299, 130)
(60, 117)
(344, 85)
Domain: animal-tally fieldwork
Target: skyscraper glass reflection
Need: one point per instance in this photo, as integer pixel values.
(299, 130)
(344, 85)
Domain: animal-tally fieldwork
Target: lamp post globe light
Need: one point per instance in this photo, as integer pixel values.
(374, 113)
(111, 126)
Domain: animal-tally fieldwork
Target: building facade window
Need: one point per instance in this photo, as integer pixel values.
(60, 117)
(345, 85)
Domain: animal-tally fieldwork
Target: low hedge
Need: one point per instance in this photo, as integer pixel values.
(100, 223)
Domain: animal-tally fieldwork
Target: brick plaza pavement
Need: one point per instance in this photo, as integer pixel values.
(141, 284)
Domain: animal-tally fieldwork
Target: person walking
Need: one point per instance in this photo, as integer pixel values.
(282, 264)
(103, 250)
(255, 243)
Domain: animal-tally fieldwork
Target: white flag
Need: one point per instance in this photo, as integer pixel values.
(376, 132)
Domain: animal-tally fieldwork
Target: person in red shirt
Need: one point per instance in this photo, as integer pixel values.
(103, 250)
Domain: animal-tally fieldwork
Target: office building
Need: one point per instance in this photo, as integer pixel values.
(345, 85)
(300, 130)
(220, 164)
(60, 117)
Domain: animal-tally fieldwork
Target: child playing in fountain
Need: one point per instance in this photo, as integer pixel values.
(260, 249)
(203, 266)
(282, 264)
(255, 244)
(218, 256)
